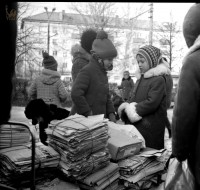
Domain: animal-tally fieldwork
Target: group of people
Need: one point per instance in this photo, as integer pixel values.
(146, 102)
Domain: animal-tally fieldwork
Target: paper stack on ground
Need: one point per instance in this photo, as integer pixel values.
(13, 135)
(15, 162)
(141, 171)
(103, 179)
(82, 144)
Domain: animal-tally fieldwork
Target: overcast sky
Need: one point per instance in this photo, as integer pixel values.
(161, 10)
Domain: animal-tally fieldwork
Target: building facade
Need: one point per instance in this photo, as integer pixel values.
(64, 31)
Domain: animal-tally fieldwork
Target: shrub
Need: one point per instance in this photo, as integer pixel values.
(20, 95)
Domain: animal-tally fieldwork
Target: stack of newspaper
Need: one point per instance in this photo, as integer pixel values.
(15, 162)
(82, 144)
(141, 171)
(104, 179)
(13, 135)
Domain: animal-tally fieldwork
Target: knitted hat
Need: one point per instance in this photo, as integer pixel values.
(191, 26)
(49, 62)
(152, 54)
(87, 38)
(103, 46)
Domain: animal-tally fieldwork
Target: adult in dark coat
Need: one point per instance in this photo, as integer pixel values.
(90, 91)
(81, 53)
(147, 109)
(127, 86)
(186, 115)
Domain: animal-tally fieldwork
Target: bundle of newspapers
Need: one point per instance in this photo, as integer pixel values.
(15, 162)
(82, 144)
(13, 135)
(104, 179)
(142, 170)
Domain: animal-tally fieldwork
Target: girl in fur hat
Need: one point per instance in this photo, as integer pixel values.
(147, 109)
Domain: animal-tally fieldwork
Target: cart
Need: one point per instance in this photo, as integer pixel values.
(20, 124)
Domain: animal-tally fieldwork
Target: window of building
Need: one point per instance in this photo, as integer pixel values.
(42, 29)
(55, 53)
(164, 41)
(55, 42)
(55, 29)
(75, 36)
(64, 54)
(111, 37)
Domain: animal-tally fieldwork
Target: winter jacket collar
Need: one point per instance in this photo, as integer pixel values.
(194, 47)
(49, 77)
(97, 64)
(159, 70)
(80, 52)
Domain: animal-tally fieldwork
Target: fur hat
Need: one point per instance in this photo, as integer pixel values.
(49, 62)
(152, 54)
(87, 38)
(103, 46)
(191, 26)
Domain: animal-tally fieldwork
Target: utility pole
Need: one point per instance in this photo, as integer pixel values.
(48, 37)
(151, 25)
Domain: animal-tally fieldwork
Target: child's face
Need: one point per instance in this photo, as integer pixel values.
(108, 64)
(142, 63)
(126, 75)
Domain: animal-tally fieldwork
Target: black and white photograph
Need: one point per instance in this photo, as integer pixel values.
(100, 96)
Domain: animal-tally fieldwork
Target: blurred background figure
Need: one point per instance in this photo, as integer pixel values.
(127, 86)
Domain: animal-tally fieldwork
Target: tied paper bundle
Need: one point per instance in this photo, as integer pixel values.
(13, 135)
(105, 178)
(82, 144)
(141, 171)
(15, 162)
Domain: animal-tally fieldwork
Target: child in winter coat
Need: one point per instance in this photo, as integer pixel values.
(127, 86)
(49, 87)
(90, 91)
(147, 110)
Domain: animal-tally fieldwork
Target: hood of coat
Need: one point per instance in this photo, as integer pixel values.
(194, 47)
(49, 77)
(159, 70)
(191, 27)
(79, 52)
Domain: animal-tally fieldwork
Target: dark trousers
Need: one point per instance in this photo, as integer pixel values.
(43, 136)
(168, 125)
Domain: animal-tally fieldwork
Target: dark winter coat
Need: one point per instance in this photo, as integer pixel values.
(163, 69)
(186, 115)
(169, 87)
(150, 96)
(147, 108)
(80, 59)
(90, 91)
(127, 86)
